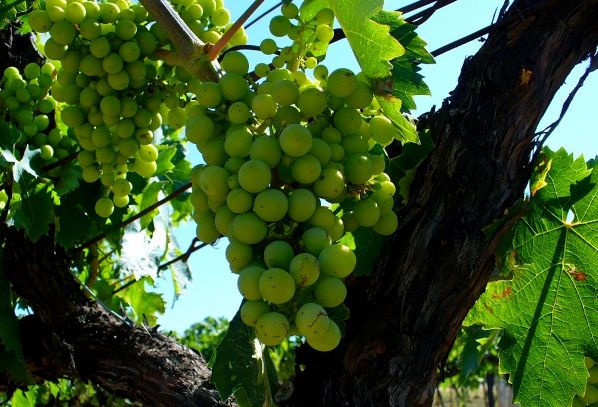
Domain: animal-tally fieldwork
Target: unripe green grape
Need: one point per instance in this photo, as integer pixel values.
(311, 319)
(235, 61)
(251, 311)
(387, 224)
(119, 80)
(109, 12)
(378, 164)
(311, 102)
(239, 200)
(367, 212)
(104, 207)
(32, 71)
(72, 116)
(347, 120)
(272, 328)
(361, 97)
(213, 181)
(54, 50)
(295, 140)
(248, 282)
(268, 46)
(285, 92)
(304, 269)
(330, 292)
(206, 229)
(286, 115)
(249, 228)
(271, 205)
(279, 26)
(220, 17)
(276, 286)
(129, 51)
(177, 117)
(110, 105)
(223, 219)
(382, 130)
(147, 41)
(315, 240)
(41, 122)
(266, 149)
(54, 136)
(105, 155)
(337, 260)
(55, 13)
(125, 29)
(46, 152)
(238, 254)
(238, 113)
(148, 152)
(120, 201)
(39, 21)
(341, 82)
(121, 187)
(302, 205)
(327, 340)
(324, 32)
(75, 12)
(233, 86)
(261, 70)
(233, 181)
(90, 174)
(278, 254)
(213, 152)
(89, 97)
(254, 176)
(264, 106)
(321, 150)
(323, 218)
(90, 29)
(63, 32)
(143, 118)
(358, 169)
(208, 94)
(306, 169)
(199, 129)
(311, 62)
(112, 63)
(145, 169)
(330, 184)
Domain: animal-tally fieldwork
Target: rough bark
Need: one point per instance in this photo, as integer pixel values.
(406, 315)
(72, 335)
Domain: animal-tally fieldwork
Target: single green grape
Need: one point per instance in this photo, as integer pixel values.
(248, 282)
(341, 82)
(337, 260)
(278, 254)
(254, 176)
(295, 140)
(271, 205)
(238, 254)
(330, 292)
(276, 286)
(104, 207)
(251, 311)
(311, 319)
(272, 328)
(248, 228)
(304, 269)
(327, 340)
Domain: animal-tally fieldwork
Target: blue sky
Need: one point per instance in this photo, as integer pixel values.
(213, 291)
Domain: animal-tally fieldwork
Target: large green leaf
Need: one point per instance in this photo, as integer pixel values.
(371, 42)
(549, 309)
(239, 366)
(35, 212)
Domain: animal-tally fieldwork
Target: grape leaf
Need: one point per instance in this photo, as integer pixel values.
(20, 166)
(309, 9)
(35, 212)
(371, 42)
(239, 366)
(164, 160)
(9, 10)
(10, 135)
(144, 304)
(148, 198)
(548, 311)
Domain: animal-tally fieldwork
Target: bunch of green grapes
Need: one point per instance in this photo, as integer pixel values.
(309, 38)
(590, 397)
(114, 95)
(278, 155)
(25, 102)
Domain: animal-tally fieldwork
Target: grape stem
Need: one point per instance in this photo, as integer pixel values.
(133, 218)
(190, 49)
(216, 48)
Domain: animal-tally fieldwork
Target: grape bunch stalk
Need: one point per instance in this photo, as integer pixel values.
(292, 164)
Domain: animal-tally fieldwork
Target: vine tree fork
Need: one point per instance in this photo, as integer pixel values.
(405, 316)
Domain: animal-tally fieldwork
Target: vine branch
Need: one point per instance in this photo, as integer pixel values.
(193, 247)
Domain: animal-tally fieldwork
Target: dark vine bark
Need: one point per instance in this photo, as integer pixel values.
(406, 315)
(72, 335)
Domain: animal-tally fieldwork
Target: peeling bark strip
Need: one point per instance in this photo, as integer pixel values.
(76, 337)
(406, 315)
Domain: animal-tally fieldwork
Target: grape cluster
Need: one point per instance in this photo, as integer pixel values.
(112, 93)
(285, 157)
(25, 101)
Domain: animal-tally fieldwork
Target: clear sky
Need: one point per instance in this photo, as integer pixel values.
(213, 291)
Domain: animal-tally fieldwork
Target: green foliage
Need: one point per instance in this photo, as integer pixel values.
(9, 9)
(205, 336)
(240, 366)
(547, 309)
